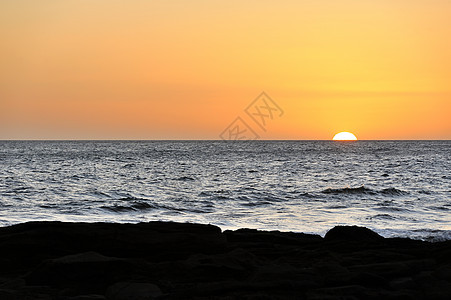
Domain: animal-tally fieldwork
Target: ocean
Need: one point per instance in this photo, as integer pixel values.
(396, 188)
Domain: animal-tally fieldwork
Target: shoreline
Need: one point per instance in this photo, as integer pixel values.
(436, 235)
(168, 260)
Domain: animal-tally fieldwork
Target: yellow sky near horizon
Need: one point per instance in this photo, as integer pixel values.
(109, 69)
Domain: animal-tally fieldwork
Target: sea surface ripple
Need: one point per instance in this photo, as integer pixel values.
(397, 188)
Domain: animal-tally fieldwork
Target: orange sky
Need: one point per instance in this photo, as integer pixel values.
(136, 69)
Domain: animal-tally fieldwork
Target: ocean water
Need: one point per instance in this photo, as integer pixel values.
(397, 188)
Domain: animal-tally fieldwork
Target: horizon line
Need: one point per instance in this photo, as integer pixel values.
(212, 140)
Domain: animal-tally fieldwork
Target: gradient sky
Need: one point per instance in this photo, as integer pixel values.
(138, 69)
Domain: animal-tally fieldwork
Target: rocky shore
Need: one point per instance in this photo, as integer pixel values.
(157, 260)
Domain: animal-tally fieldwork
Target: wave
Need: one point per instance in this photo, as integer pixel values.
(136, 206)
(257, 203)
(118, 208)
(133, 205)
(432, 235)
(393, 191)
(382, 217)
(129, 166)
(364, 190)
(187, 209)
(390, 208)
(23, 190)
(349, 190)
(131, 198)
(426, 192)
(336, 207)
(139, 205)
(442, 208)
(216, 194)
(185, 178)
(305, 195)
(100, 193)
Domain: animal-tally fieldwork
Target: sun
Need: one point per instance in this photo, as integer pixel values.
(344, 136)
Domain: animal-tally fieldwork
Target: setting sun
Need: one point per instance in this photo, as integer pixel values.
(344, 136)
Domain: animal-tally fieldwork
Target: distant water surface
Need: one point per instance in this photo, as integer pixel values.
(397, 188)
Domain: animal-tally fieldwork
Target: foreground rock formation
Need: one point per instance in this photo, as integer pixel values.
(156, 260)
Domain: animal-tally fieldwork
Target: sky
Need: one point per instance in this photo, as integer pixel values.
(138, 69)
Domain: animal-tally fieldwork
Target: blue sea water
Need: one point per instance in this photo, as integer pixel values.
(397, 188)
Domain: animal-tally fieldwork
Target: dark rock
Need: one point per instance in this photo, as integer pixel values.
(367, 279)
(276, 272)
(444, 272)
(87, 297)
(155, 241)
(87, 261)
(236, 264)
(402, 283)
(133, 291)
(343, 292)
(395, 269)
(15, 283)
(353, 233)
(275, 237)
(9, 295)
(90, 271)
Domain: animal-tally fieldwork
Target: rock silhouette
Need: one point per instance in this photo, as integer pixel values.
(157, 260)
